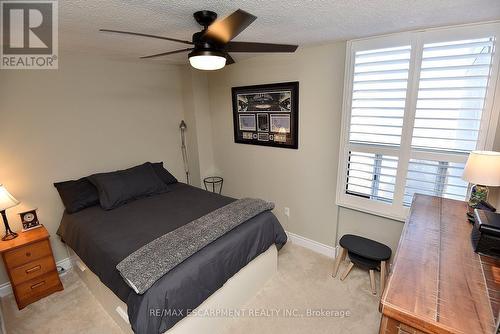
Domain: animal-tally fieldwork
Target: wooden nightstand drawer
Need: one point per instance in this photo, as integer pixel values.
(32, 269)
(37, 288)
(25, 254)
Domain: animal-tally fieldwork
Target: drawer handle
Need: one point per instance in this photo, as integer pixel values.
(34, 286)
(35, 268)
(28, 254)
(403, 331)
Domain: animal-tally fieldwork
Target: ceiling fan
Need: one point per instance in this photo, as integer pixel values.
(211, 46)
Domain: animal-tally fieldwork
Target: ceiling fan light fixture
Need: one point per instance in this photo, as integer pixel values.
(207, 60)
(211, 47)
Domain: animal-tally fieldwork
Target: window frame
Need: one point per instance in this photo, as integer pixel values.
(416, 39)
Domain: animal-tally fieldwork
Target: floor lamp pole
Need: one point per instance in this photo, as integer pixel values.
(183, 128)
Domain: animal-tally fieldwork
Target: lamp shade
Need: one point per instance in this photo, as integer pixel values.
(207, 63)
(6, 199)
(207, 60)
(483, 167)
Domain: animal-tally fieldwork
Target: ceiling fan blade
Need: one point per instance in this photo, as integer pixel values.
(167, 53)
(229, 27)
(229, 59)
(259, 47)
(146, 35)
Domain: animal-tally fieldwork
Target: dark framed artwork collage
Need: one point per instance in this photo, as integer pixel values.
(267, 115)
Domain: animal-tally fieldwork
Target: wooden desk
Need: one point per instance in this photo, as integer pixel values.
(438, 284)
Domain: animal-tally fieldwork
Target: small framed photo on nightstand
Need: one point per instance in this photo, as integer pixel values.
(29, 220)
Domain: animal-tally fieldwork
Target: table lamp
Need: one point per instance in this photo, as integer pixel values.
(483, 170)
(7, 201)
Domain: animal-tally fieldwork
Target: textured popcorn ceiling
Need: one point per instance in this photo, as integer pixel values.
(302, 22)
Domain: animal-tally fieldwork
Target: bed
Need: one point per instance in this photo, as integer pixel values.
(103, 238)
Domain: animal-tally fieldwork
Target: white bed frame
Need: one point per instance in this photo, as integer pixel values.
(232, 295)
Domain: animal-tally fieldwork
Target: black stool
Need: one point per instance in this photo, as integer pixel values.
(365, 253)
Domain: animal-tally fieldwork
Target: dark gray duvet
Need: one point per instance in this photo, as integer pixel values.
(104, 238)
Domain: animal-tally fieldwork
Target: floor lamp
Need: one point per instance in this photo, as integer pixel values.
(183, 128)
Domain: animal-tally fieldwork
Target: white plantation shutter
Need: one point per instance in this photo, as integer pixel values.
(377, 110)
(379, 93)
(372, 175)
(454, 78)
(453, 81)
(433, 177)
(415, 105)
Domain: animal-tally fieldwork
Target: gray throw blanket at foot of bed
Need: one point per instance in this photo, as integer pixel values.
(145, 266)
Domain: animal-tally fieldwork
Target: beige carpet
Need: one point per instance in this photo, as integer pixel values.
(303, 283)
(73, 310)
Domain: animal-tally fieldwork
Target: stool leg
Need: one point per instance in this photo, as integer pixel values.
(347, 271)
(339, 259)
(383, 273)
(372, 281)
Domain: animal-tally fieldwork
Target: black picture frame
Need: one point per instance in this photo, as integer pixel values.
(278, 103)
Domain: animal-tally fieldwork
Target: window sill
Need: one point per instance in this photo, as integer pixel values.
(373, 208)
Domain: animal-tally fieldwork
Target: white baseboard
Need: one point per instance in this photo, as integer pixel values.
(312, 245)
(6, 288)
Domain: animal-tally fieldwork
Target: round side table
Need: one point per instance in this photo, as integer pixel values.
(216, 182)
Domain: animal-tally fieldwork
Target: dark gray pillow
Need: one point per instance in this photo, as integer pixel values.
(77, 195)
(120, 187)
(164, 174)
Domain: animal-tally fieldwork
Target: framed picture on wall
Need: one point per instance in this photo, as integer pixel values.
(267, 115)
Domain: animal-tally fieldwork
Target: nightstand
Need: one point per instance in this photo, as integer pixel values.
(31, 267)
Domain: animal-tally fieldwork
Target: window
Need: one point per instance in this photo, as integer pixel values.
(415, 105)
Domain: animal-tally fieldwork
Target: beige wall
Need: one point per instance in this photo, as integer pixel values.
(305, 179)
(197, 112)
(91, 115)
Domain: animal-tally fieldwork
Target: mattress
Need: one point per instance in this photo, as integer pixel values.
(103, 238)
